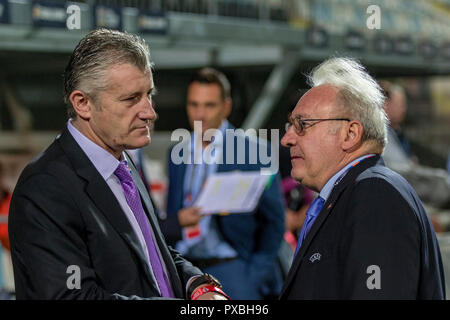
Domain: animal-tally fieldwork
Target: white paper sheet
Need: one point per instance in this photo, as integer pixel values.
(231, 192)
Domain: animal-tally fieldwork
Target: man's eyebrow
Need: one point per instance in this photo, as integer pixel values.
(153, 91)
(297, 116)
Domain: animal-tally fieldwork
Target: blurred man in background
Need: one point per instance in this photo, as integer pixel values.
(367, 235)
(239, 249)
(396, 107)
(398, 154)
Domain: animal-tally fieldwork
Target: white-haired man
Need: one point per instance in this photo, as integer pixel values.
(367, 235)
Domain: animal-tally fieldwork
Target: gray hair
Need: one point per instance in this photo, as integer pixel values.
(95, 54)
(359, 95)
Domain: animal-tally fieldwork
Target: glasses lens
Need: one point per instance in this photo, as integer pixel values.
(300, 126)
(287, 126)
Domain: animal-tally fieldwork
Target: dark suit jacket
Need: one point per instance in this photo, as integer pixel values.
(372, 217)
(256, 236)
(64, 214)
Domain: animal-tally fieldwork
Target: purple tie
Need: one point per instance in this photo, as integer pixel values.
(134, 201)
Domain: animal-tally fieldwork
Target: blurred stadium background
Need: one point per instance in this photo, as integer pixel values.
(264, 47)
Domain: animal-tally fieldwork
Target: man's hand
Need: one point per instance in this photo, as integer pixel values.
(212, 296)
(188, 217)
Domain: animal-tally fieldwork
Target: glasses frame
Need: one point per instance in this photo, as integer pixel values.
(300, 125)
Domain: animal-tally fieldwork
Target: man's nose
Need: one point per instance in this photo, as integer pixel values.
(200, 113)
(148, 112)
(288, 139)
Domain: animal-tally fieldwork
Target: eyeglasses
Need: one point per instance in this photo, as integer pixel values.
(301, 125)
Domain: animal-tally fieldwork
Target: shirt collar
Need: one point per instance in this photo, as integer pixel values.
(334, 180)
(103, 161)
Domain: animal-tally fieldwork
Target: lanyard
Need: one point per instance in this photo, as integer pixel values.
(352, 166)
(200, 170)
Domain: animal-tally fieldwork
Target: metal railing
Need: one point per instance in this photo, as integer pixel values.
(416, 18)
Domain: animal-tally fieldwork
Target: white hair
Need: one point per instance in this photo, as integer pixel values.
(358, 94)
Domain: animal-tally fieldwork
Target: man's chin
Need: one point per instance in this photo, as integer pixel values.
(140, 143)
(296, 175)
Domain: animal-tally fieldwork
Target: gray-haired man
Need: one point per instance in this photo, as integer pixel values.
(81, 221)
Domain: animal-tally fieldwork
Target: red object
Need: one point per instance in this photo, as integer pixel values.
(4, 210)
(156, 186)
(201, 291)
(289, 237)
(193, 232)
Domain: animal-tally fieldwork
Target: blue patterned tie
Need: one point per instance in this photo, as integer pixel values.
(311, 215)
(134, 201)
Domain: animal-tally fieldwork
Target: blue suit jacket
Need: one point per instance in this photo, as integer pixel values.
(372, 240)
(256, 236)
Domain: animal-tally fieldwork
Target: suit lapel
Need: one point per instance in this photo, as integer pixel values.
(325, 212)
(108, 204)
(147, 203)
(104, 199)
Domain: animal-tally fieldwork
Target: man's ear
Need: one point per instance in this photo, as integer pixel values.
(81, 104)
(352, 136)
